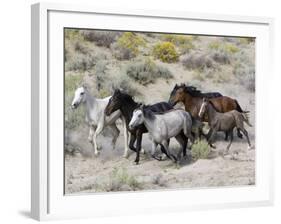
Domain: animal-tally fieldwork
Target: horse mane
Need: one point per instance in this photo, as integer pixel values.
(126, 96)
(147, 113)
(193, 91)
(167, 111)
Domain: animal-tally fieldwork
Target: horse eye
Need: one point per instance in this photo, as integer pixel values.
(82, 93)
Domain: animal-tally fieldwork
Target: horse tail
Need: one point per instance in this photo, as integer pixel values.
(239, 109)
(245, 116)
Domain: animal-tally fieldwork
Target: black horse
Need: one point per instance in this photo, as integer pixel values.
(125, 103)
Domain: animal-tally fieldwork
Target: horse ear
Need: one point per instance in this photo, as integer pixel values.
(85, 86)
(141, 107)
(204, 100)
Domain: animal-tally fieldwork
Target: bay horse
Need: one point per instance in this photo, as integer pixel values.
(225, 122)
(192, 99)
(126, 104)
(163, 126)
(96, 118)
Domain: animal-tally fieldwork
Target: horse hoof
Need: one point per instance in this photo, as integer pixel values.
(137, 162)
(126, 156)
(97, 153)
(90, 140)
(249, 148)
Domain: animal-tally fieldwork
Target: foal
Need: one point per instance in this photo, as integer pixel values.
(163, 126)
(225, 122)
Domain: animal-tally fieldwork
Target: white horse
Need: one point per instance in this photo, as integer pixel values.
(163, 126)
(97, 119)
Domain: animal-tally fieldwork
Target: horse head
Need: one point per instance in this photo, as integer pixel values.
(177, 94)
(114, 103)
(203, 107)
(137, 118)
(79, 97)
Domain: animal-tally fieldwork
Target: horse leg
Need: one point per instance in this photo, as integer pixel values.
(226, 136)
(247, 137)
(187, 134)
(126, 150)
(209, 134)
(97, 132)
(213, 133)
(230, 133)
(153, 150)
(93, 140)
(164, 151)
(139, 139)
(116, 133)
(132, 142)
(239, 133)
(91, 133)
(183, 143)
(166, 146)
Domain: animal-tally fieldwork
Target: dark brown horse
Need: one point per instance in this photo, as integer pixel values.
(192, 99)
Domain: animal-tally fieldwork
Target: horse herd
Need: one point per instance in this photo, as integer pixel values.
(161, 120)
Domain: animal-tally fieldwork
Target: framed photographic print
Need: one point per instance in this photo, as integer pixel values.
(148, 111)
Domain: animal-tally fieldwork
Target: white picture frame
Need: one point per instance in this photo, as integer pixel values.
(47, 196)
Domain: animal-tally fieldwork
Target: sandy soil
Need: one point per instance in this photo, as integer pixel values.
(111, 172)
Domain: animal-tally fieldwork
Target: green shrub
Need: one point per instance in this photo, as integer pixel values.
(80, 61)
(223, 46)
(120, 180)
(83, 62)
(231, 48)
(121, 53)
(127, 46)
(214, 45)
(166, 52)
(200, 149)
(246, 40)
(183, 42)
(178, 39)
(123, 82)
(244, 67)
(101, 38)
(73, 118)
(80, 47)
(221, 56)
(72, 34)
(147, 71)
(100, 74)
(246, 75)
(198, 61)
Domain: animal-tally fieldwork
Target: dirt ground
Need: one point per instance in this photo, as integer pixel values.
(111, 172)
